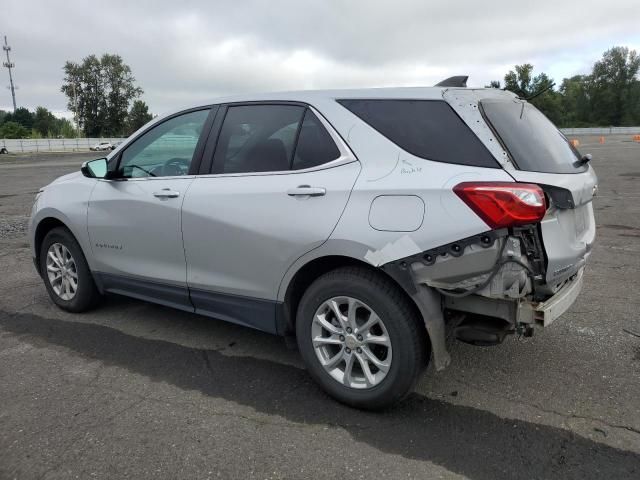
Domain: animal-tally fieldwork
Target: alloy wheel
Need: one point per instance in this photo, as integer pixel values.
(62, 271)
(351, 342)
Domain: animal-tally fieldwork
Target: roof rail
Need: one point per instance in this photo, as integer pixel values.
(457, 81)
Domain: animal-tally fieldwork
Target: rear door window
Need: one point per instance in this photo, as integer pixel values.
(534, 143)
(257, 138)
(429, 129)
(315, 145)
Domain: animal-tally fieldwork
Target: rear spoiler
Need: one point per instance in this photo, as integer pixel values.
(457, 81)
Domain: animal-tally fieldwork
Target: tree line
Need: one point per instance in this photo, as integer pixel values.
(608, 96)
(103, 96)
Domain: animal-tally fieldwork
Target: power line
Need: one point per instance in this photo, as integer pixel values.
(9, 66)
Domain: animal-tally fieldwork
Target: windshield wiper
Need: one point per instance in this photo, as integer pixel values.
(537, 94)
(586, 158)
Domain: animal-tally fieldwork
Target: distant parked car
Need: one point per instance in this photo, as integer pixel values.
(98, 147)
(115, 145)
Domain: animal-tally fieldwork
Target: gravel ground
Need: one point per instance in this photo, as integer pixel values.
(134, 390)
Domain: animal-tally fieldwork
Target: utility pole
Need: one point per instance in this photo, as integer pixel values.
(9, 66)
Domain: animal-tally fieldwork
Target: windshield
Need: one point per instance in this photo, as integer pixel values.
(534, 143)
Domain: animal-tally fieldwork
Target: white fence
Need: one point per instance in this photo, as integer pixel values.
(53, 144)
(601, 131)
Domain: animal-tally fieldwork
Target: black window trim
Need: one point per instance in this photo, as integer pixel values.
(208, 169)
(340, 100)
(196, 159)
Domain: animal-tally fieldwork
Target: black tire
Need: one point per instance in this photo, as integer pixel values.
(86, 295)
(406, 332)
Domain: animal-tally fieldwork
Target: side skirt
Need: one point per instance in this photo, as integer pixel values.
(247, 311)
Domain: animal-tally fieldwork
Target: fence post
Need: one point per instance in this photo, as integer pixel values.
(21, 146)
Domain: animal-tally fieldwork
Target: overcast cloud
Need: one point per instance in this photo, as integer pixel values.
(185, 51)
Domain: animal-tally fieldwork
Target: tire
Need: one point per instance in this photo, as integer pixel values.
(86, 295)
(371, 293)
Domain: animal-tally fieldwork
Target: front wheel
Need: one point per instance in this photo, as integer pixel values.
(360, 338)
(66, 273)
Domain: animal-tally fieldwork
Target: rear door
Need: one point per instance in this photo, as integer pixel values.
(542, 155)
(279, 183)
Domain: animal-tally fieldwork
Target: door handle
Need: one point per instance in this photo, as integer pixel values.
(166, 193)
(306, 191)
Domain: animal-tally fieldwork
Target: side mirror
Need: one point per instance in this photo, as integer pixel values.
(95, 168)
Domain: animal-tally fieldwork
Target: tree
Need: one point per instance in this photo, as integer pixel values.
(138, 116)
(44, 122)
(65, 128)
(13, 130)
(522, 82)
(614, 88)
(575, 101)
(21, 116)
(99, 92)
(493, 84)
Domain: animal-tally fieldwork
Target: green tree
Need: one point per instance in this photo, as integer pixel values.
(138, 116)
(65, 128)
(575, 101)
(44, 122)
(493, 84)
(13, 129)
(21, 116)
(614, 88)
(99, 91)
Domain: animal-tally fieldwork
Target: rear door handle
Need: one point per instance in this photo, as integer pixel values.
(306, 191)
(166, 193)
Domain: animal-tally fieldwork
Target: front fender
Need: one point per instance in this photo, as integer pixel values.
(67, 202)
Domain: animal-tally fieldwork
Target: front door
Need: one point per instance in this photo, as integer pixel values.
(134, 220)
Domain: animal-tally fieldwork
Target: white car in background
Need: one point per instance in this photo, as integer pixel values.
(102, 146)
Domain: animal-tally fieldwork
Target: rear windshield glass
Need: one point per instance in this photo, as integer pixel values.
(429, 129)
(535, 144)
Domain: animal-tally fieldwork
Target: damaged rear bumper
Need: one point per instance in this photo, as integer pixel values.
(494, 274)
(544, 313)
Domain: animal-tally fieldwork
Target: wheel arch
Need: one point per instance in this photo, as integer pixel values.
(44, 226)
(314, 268)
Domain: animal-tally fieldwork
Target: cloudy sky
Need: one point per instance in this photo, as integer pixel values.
(185, 51)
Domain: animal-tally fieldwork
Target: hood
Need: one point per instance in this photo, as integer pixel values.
(66, 178)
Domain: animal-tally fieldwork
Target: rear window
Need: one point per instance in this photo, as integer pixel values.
(534, 143)
(429, 129)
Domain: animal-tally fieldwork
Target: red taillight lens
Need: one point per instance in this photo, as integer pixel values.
(503, 204)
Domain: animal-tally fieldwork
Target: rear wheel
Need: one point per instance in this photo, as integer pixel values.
(360, 338)
(66, 273)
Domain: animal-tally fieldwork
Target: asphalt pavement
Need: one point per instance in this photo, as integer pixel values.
(135, 390)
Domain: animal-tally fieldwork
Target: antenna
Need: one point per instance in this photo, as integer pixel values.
(9, 66)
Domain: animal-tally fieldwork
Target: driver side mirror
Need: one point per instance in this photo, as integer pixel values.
(95, 168)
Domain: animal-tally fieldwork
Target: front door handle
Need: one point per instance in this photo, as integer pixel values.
(306, 191)
(166, 193)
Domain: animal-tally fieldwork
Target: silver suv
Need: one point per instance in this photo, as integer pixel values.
(372, 225)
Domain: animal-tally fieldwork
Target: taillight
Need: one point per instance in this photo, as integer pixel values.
(503, 204)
